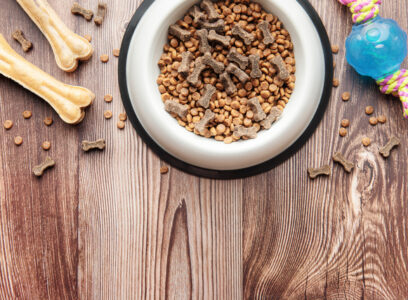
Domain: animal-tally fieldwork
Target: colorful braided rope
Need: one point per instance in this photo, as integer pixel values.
(362, 10)
(396, 84)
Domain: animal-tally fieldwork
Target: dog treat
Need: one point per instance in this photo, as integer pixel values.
(108, 98)
(366, 141)
(68, 47)
(255, 106)
(229, 85)
(268, 37)
(100, 15)
(215, 37)
(209, 8)
(386, 150)
(373, 121)
(68, 101)
(77, 9)
(209, 116)
(120, 124)
(180, 33)
(235, 70)
(164, 170)
(255, 70)
(218, 67)
(18, 35)
(46, 145)
(345, 96)
(280, 64)
(218, 26)
(46, 164)
(27, 114)
(186, 59)
(104, 58)
(172, 106)
(273, 116)
(18, 140)
(108, 114)
(209, 91)
(48, 121)
(197, 14)
(202, 35)
(345, 123)
(116, 52)
(8, 124)
(347, 165)
(123, 117)
(241, 131)
(199, 66)
(315, 172)
(239, 59)
(343, 132)
(98, 144)
(247, 37)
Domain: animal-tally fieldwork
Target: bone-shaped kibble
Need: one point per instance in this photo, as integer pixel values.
(273, 116)
(247, 37)
(217, 66)
(315, 172)
(209, 116)
(199, 66)
(197, 14)
(229, 85)
(386, 150)
(100, 15)
(268, 37)
(218, 26)
(40, 169)
(235, 70)
(255, 70)
(202, 35)
(186, 59)
(214, 37)
(280, 64)
(347, 165)
(18, 35)
(241, 60)
(77, 9)
(172, 106)
(68, 47)
(68, 101)
(209, 8)
(209, 91)
(180, 33)
(241, 131)
(92, 145)
(255, 106)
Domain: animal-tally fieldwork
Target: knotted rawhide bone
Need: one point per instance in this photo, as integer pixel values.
(197, 14)
(386, 150)
(202, 35)
(283, 72)
(209, 8)
(101, 13)
(77, 9)
(268, 37)
(68, 101)
(174, 107)
(347, 165)
(186, 59)
(247, 37)
(217, 66)
(180, 33)
(235, 70)
(222, 39)
(18, 35)
(218, 26)
(209, 91)
(67, 46)
(273, 116)
(241, 131)
(228, 84)
(46, 164)
(316, 172)
(241, 60)
(209, 116)
(93, 145)
(255, 70)
(199, 66)
(255, 106)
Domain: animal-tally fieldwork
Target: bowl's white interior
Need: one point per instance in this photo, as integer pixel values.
(142, 71)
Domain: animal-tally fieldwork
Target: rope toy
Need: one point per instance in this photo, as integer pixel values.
(377, 47)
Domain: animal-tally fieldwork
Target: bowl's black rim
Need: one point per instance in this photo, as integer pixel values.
(230, 174)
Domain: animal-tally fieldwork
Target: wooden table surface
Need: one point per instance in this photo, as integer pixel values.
(107, 225)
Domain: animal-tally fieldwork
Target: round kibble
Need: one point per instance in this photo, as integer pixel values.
(345, 123)
(228, 140)
(366, 142)
(107, 114)
(334, 64)
(164, 170)
(108, 98)
(220, 129)
(46, 145)
(335, 49)
(104, 58)
(121, 124)
(116, 52)
(18, 140)
(27, 114)
(345, 96)
(123, 117)
(8, 124)
(373, 121)
(88, 37)
(336, 82)
(343, 132)
(382, 119)
(369, 110)
(48, 121)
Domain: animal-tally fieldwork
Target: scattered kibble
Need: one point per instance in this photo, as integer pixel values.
(382, 119)
(8, 124)
(116, 52)
(336, 82)
(343, 132)
(46, 145)
(48, 121)
(88, 37)
(18, 140)
(104, 58)
(123, 117)
(164, 170)
(121, 124)
(373, 121)
(27, 114)
(345, 123)
(369, 110)
(108, 98)
(366, 141)
(335, 49)
(108, 114)
(345, 96)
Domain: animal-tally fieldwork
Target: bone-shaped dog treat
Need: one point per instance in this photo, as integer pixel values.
(280, 64)
(18, 35)
(92, 145)
(229, 85)
(197, 14)
(255, 70)
(202, 35)
(68, 101)
(172, 106)
(247, 37)
(235, 70)
(46, 164)
(255, 106)
(77, 9)
(273, 116)
(209, 8)
(100, 15)
(67, 46)
(186, 59)
(241, 131)
(199, 66)
(218, 26)
(315, 172)
(209, 116)
(386, 150)
(268, 37)
(214, 37)
(209, 91)
(217, 66)
(347, 165)
(180, 33)
(241, 60)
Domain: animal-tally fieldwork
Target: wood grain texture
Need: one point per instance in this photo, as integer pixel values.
(107, 225)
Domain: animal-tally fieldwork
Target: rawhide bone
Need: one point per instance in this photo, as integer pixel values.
(217, 66)
(46, 164)
(347, 165)
(68, 101)
(241, 60)
(386, 150)
(202, 35)
(209, 91)
(209, 116)
(77, 9)
(218, 26)
(235, 70)
(255, 106)
(228, 84)
(197, 14)
(280, 64)
(273, 116)
(209, 8)
(174, 107)
(247, 37)
(199, 66)
(214, 37)
(241, 131)
(254, 61)
(315, 172)
(18, 35)
(180, 33)
(93, 145)
(101, 13)
(186, 59)
(268, 37)
(67, 46)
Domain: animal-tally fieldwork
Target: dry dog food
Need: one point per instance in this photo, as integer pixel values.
(373, 121)
(46, 164)
(98, 144)
(164, 170)
(227, 70)
(366, 141)
(346, 96)
(382, 119)
(108, 98)
(369, 110)
(347, 165)
(335, 49)
(123, 117)
(343, 132)
(322, 171)
(48, 121)
(46, 145)
(116, 52)
(77, 9)
(108, 114)
(18, 35)
(8, 124)
(386, 150)
(27, 114)
(100, 16)
(104, 58)
(336, 82)
(120, 124)
(18, 140)
(345, 123)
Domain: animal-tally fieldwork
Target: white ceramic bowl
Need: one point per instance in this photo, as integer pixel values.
(143, 48)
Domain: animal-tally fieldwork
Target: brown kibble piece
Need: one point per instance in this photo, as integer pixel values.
(209, 8)
(247, 37)
(209, 116)
(386, 150)
(77, 9)
(48, 121)
(347, 165)
(345, 96)
(116, 52)
(164, 170)
(315, 172)
(241, 131)
(207, 60)
(255, 106)
(93, 145)
(108, 114)
(382, 119)
(27, 114)
(239, 59)
(343, 132)
(180, 33)
(228, 84)
(88, 37)
(222, 39)
(104, 58)
(172, 106)
(199, 66)
(336, 82)
(46, 164)
(335, 49)
(366, 141)
(218, 26)
(373, 121)
(202, 35)
(120, 124)
(108, 98)
(46, 145)
(369, 110)
(186, 59)
(268, 37)
(345, 123)
(18, 35)
(254, 61)
(209, 91)
(100, 15)
(8, 124)
(197, 14)
(237, 72)
(283, 72)
(273, 116)
(123, 117)
(18, 140)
